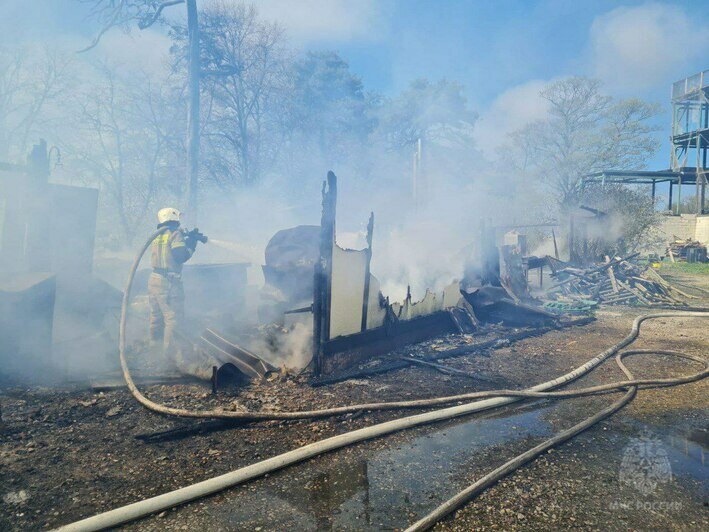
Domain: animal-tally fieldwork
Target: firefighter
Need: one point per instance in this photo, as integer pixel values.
(170, 250)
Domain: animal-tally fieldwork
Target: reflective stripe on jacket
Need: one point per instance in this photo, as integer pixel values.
(169, 251)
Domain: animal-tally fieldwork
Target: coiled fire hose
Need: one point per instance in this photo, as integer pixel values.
(495, 399)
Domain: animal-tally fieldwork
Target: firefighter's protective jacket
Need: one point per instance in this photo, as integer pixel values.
(170, 251)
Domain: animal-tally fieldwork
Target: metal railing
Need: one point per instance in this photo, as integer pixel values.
(690, 84)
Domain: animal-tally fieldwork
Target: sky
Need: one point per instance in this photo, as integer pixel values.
(503, 51)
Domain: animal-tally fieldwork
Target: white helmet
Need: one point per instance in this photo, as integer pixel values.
(168, 214)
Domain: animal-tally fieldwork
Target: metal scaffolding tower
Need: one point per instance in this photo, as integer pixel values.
(690, 146)
(690, 131)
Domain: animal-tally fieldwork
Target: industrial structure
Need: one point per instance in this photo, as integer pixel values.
(689, 147)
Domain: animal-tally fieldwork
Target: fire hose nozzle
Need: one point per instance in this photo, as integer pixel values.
(196, 236)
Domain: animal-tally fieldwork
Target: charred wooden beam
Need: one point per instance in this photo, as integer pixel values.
(367, 271)
(397, 364)
(323, 272)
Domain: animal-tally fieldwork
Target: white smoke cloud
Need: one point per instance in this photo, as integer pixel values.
(638, 48)
(309, 21)
(508, 112)
(146, 50)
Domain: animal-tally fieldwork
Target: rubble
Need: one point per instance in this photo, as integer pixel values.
(493, 304)
(620, 281)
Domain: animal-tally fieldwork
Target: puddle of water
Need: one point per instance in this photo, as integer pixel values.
(414, 477)
(406, 480)
(688, 455)
(394, 486)
(686, 452)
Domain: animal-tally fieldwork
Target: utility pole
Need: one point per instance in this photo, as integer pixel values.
(147, 13)
(416, 176)
(194, 75)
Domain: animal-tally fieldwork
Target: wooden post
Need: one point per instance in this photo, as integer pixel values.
(541, 276)
(489, 256)
(572, 253)
(365, 296)
(584, 243)
(323, 273)
(37, 205)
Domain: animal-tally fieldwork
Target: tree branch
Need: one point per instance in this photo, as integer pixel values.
(149, 22)
(228, 70)
(97, 39)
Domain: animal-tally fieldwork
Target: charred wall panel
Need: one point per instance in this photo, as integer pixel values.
(352, 318)
(345, 351)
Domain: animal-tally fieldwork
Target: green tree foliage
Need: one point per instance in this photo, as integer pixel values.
(330, 116)
(437, 113)
(330, 107)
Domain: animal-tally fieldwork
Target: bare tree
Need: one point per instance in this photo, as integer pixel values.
(30, 82)
(629, 224)
(124, 142)
(145, 13)
(250, 68)
(10, 87)
(585, 132)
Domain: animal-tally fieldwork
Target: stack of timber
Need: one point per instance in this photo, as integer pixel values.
(687, 251)
(616, 282)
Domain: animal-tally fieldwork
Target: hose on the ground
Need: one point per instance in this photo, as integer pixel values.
(162, 502)
(201, 489)
(326, 412)
(469, 493)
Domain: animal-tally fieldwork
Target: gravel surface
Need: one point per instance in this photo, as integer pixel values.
(67, 454)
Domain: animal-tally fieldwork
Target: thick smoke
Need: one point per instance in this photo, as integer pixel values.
(117, 125)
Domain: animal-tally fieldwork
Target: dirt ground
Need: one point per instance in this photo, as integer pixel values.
(70, 453)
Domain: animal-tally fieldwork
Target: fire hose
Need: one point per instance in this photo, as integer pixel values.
(494, 398)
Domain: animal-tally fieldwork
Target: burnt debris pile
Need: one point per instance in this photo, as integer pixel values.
(620, 281)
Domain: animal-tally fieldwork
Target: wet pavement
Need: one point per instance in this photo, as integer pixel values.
(70, 454)
(391, 487)
(687, 453)
(380, 490)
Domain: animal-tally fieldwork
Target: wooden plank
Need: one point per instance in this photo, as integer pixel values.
(633, 291)
(611, 274)
(365, 295)
(556, 249)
